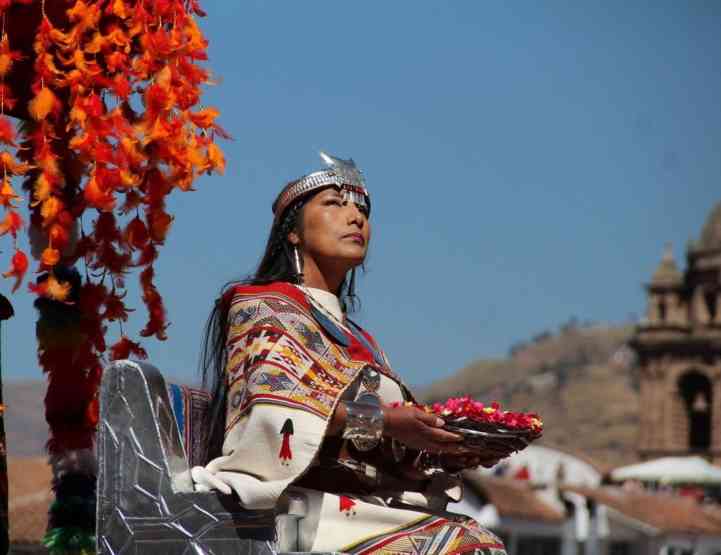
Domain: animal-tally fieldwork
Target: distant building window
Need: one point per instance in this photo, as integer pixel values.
(710, 297)
(695, 389)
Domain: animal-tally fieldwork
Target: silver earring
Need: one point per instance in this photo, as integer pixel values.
(297, 264)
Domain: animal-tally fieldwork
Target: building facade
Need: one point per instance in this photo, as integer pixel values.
(679, 352)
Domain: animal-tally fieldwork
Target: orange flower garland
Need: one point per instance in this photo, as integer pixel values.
(11, 221)
(89, 148)
(108, 91)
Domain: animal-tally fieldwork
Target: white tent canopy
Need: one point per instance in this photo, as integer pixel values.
(670, 470)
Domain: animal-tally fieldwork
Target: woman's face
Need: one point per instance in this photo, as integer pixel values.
(332, 231)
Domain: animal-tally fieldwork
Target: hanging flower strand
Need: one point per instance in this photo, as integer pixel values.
(110, 98)
(111, 53)
(11, 222)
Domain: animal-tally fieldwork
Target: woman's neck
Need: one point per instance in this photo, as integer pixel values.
(327, 280)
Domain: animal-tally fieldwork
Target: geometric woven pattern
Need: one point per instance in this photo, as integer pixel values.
(146, 501)
(191, 409)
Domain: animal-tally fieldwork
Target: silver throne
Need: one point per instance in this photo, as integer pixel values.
(146, 501)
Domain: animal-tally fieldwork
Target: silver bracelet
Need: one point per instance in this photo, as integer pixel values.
(363, 422)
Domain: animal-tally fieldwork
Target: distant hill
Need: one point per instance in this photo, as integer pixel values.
(582, 380)
(25, 427)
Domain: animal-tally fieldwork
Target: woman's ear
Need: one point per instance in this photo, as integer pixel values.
(293, 238)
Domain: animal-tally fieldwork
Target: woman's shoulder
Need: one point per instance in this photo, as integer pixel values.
(278, 289)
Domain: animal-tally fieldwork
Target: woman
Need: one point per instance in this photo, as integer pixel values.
(311, 403)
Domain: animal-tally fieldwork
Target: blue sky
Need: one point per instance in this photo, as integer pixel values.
(527, 163)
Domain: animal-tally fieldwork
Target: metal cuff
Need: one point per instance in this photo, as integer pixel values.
(363, 424)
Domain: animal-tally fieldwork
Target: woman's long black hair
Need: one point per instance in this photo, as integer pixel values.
(275, 265)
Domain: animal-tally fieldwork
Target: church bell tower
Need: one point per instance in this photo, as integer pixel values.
(679, 351)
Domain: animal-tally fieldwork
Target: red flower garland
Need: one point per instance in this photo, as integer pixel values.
(456, 408)
(465, 407)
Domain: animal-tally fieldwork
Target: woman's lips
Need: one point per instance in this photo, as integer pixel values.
(357, 237)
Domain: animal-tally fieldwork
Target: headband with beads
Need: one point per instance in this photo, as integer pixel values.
(340, 173)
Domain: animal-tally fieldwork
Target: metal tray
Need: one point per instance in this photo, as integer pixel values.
(476, 438)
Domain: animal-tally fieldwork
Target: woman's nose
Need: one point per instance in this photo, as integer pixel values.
(355, 215)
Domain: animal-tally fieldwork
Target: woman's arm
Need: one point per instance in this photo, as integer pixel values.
(409, 425)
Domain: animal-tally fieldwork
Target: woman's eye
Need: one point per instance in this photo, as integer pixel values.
(334, 201)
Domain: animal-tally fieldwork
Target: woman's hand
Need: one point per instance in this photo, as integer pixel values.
(487, 458)
(420, 430)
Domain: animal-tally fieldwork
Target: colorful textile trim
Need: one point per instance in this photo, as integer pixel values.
(432, 536)
(190, 408)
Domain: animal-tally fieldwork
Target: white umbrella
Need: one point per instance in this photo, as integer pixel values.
(668, 470)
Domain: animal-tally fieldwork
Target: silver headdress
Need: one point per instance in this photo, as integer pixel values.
(340, 173)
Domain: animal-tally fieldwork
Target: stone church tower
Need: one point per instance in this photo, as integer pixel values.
(679, 351)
